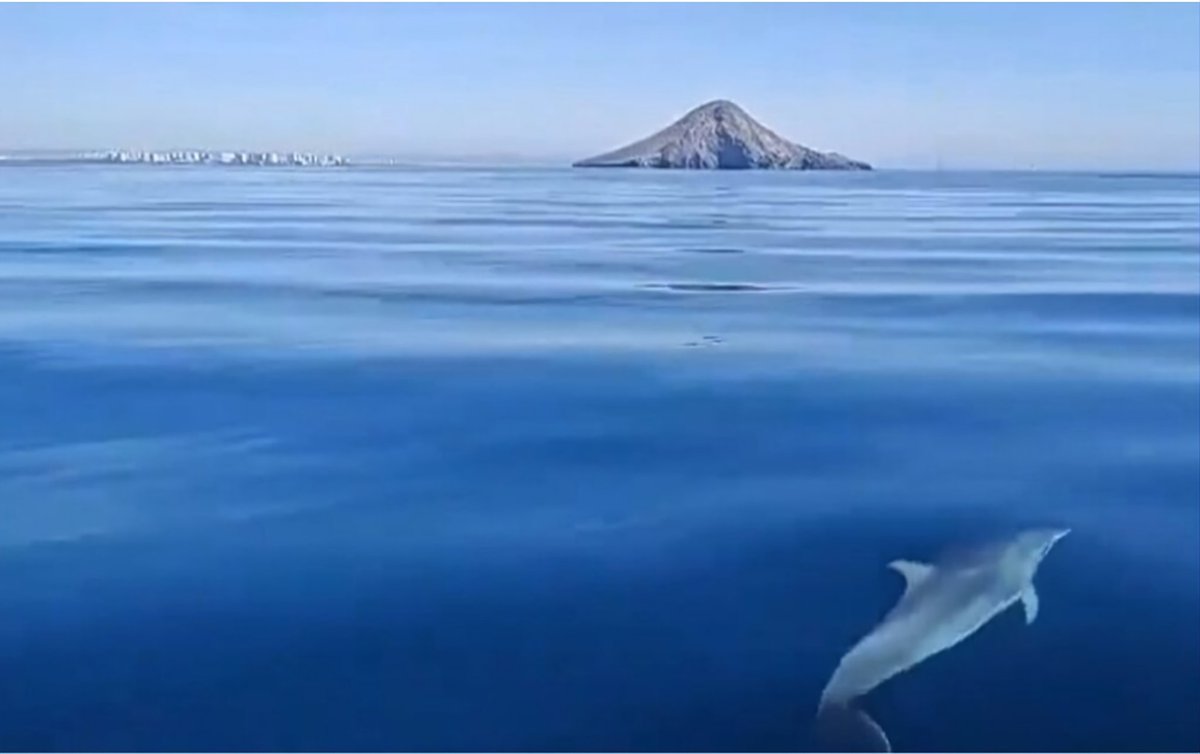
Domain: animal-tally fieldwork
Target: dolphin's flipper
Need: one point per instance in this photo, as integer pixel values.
(1029, 599)
(913, 572)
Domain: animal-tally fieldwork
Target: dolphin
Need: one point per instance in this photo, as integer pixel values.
(942, 604)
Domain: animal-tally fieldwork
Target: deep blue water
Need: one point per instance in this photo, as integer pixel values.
(539, 459)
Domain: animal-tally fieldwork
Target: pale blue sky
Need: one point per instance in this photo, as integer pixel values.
(1010, 86)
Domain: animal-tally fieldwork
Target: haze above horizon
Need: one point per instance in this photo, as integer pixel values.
(999, 86)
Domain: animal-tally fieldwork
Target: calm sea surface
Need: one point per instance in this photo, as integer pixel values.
(541, 459)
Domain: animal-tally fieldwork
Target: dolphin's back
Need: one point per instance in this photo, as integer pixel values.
(876, 658)
(932, 616)
(939, 609)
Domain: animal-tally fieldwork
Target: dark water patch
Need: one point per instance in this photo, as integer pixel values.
(1152, 175)
(591, 223)
(148, 291)
(712, 250)
(1075, 304)
(712, 287)
(705, 341)
(80, 248)
(217, 208)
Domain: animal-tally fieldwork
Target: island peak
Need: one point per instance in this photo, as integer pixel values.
(720, 135)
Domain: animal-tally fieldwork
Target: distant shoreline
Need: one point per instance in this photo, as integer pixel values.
(182, 157)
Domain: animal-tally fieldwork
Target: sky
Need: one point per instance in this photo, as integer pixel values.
(1072, 86)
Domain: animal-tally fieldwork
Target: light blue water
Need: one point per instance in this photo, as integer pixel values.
(530, 459)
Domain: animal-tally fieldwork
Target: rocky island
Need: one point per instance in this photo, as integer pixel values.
(720, 135)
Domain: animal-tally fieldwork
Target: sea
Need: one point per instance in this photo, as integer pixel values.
(539, 459)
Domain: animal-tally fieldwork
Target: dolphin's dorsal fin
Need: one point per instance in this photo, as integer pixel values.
(1029, 599)
(913, 572)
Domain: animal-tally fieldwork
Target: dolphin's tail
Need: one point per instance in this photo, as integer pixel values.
(842, 727)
